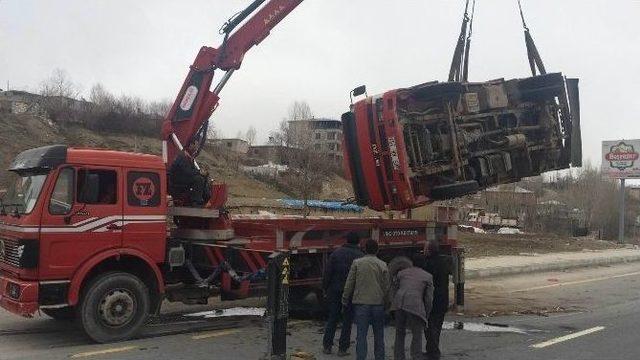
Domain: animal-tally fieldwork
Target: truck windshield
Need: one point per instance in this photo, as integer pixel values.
(23, 192)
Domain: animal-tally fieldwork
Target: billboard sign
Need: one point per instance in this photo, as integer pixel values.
(621, 159)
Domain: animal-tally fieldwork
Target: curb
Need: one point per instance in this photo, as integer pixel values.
(552, 266)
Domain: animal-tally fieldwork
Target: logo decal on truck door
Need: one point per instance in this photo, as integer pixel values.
(143, 188)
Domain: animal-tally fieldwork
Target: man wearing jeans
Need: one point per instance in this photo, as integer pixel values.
(335, 276)
(367, 288)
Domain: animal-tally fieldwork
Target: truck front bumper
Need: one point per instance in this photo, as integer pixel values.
(18, 296)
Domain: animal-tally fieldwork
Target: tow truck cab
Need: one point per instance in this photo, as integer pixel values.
(436, 141)
(69, 211)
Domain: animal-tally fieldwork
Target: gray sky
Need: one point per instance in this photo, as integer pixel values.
(324, 49)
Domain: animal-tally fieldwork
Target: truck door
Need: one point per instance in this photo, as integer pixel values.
(82, 217)
(145, 209)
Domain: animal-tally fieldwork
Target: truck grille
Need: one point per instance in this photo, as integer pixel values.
(9, 252)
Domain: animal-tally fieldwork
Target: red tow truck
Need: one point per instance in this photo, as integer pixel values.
(86, 233)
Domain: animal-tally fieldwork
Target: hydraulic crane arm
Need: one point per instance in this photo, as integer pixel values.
(188, 118)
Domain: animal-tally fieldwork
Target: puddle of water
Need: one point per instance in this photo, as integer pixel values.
(480, 327)
(237, 311)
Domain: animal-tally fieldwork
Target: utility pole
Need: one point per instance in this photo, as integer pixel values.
(621, 214)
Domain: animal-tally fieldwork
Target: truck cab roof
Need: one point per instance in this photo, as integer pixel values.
(49, 157)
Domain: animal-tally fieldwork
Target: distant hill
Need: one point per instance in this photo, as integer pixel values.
(24, 131)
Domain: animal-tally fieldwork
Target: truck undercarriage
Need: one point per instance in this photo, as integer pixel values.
(437, 141)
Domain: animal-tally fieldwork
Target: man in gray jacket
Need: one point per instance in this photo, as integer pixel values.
(412, 291)
(367, 287)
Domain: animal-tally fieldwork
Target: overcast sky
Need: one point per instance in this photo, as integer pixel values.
(324, 49)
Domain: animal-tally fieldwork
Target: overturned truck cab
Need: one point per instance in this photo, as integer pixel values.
(436, 141)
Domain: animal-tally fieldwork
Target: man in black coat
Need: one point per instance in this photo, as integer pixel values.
(335, 276)
(439, 267)
(186, 181)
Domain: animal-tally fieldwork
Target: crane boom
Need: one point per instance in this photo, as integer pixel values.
(188, 118)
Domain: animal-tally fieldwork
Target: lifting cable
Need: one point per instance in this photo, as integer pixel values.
(460, 62)
(459, 71)
(535, 61)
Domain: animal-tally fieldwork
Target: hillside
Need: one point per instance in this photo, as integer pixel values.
(21, 132)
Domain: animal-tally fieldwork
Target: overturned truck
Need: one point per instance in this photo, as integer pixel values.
(437, 141)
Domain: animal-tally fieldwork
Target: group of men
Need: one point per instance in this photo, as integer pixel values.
(362, 288)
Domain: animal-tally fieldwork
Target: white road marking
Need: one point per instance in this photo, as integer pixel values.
(103, 352)
(568, 283)
(567, 337)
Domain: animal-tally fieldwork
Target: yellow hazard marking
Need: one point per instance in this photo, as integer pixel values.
(103, 352)
(285, 262)
(212, 334)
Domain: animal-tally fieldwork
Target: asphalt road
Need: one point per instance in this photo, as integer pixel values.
(602, 323)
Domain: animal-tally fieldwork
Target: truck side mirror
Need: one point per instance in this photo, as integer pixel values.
(360, 90)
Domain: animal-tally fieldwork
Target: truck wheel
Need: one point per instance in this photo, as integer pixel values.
(114, 307)
(61, 314)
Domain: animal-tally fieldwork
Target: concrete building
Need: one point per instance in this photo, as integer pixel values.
(276, 154)
(239, 146)
(325, 135)
(19, 102)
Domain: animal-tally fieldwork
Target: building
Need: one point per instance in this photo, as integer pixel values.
(276, 154)
(19, 102)
(325, 135)
(239, 146)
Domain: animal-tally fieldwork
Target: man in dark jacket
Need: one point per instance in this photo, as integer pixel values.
(335, 275)
(440, 268)
(186, 181)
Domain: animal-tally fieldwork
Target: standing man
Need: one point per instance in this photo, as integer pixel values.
(335, 276)
(186, 182)
(440, 268)
(412, 300)
(367, 287)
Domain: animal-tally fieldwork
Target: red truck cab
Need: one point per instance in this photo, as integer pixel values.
(68, 210)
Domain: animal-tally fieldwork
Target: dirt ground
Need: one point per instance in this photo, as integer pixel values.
(480, 245)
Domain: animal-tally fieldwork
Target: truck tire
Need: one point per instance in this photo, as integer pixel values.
(114, 307)
(66, 313)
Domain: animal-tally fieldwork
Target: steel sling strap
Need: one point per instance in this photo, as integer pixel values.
(535, 61)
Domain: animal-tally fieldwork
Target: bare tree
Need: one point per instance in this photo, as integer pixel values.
(309, 168)
(58, 93)
(250, 135)
(300, 110)
(59, 84)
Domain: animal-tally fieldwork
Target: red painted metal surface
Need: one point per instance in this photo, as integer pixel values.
(195, 102)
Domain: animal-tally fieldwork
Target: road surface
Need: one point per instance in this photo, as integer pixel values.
(582, 314)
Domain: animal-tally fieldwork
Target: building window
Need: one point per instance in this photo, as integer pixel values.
(338, 147)
(318, 136)
(331, 146)
(229, 144)
(317, 147)
(331, 135)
